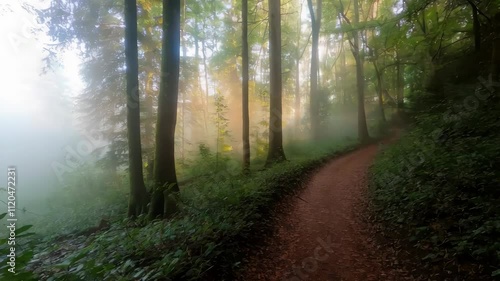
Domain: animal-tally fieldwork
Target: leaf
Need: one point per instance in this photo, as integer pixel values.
(63, 264)
(26, 234)
(139, 273)
(3, 215)
(496, 273)
(23, 228)
(76, 269)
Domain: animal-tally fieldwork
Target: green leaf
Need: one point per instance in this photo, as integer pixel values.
(496, 273)
(3, 215)
(63, 264)
(26, 234)
(23, 228)
(78, 268)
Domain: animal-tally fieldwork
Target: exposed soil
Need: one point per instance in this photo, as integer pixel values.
(323, 235)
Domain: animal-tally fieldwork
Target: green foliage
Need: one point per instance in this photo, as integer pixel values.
(440, 182)
(217, 213)
(23, 252)
(89, 195)
(222, 123)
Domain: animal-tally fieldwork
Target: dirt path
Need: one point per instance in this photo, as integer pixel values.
(322, 237)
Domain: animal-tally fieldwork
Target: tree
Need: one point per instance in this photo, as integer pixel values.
(360, 76)
(244, 90)
(138, 195)
(314, 106)
(164, 167)
(275, 152)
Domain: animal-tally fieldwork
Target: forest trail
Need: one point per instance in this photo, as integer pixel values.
(323, 237)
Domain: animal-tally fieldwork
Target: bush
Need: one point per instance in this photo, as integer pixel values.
(440, 181)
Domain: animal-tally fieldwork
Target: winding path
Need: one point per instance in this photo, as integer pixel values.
(323, 237)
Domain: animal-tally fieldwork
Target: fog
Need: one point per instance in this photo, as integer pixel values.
(36, 108)
(62, 111)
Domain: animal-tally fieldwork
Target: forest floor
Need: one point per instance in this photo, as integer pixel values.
(325, 233)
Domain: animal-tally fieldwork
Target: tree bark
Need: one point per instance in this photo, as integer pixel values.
(380, 93)
(164, 170)
(297, 75)
(314, 99)
(138, 195)
(399, 84)
(477, 28)
(275, 153)
(205, 70)
(183, 89)
(245, 78)
(297, 96)
(360, 81)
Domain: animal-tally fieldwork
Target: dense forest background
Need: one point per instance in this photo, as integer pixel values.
(199, 116)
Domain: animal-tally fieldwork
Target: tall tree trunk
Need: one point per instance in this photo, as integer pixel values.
(476, 27)
(399, 84)
(424, 22)
(297, 95)
(205, 70)
(245, 78)
(183, 89)
(345, 97)
(138, 195)
(275, 153)
(380, 93)
(164, 170)
(314, 99)
(197, 56)
(360, 81)
(297, 74)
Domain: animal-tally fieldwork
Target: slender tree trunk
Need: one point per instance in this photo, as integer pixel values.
(424, 22)
(297, 95)
(297, 74)
(399, 81)
(164, 170)
(477, 28)
(197, 56)
(380, 93)
(245, 78)
(184, 86)
(138, 195)
(275, 153)
(360, 81)
(399, 84)
(205, 70)
(345, 97)
(314, 99)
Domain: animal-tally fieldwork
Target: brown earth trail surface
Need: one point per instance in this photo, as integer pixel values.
(323, 237)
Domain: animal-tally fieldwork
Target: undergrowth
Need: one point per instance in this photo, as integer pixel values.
(203, 242)
(440, 182)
